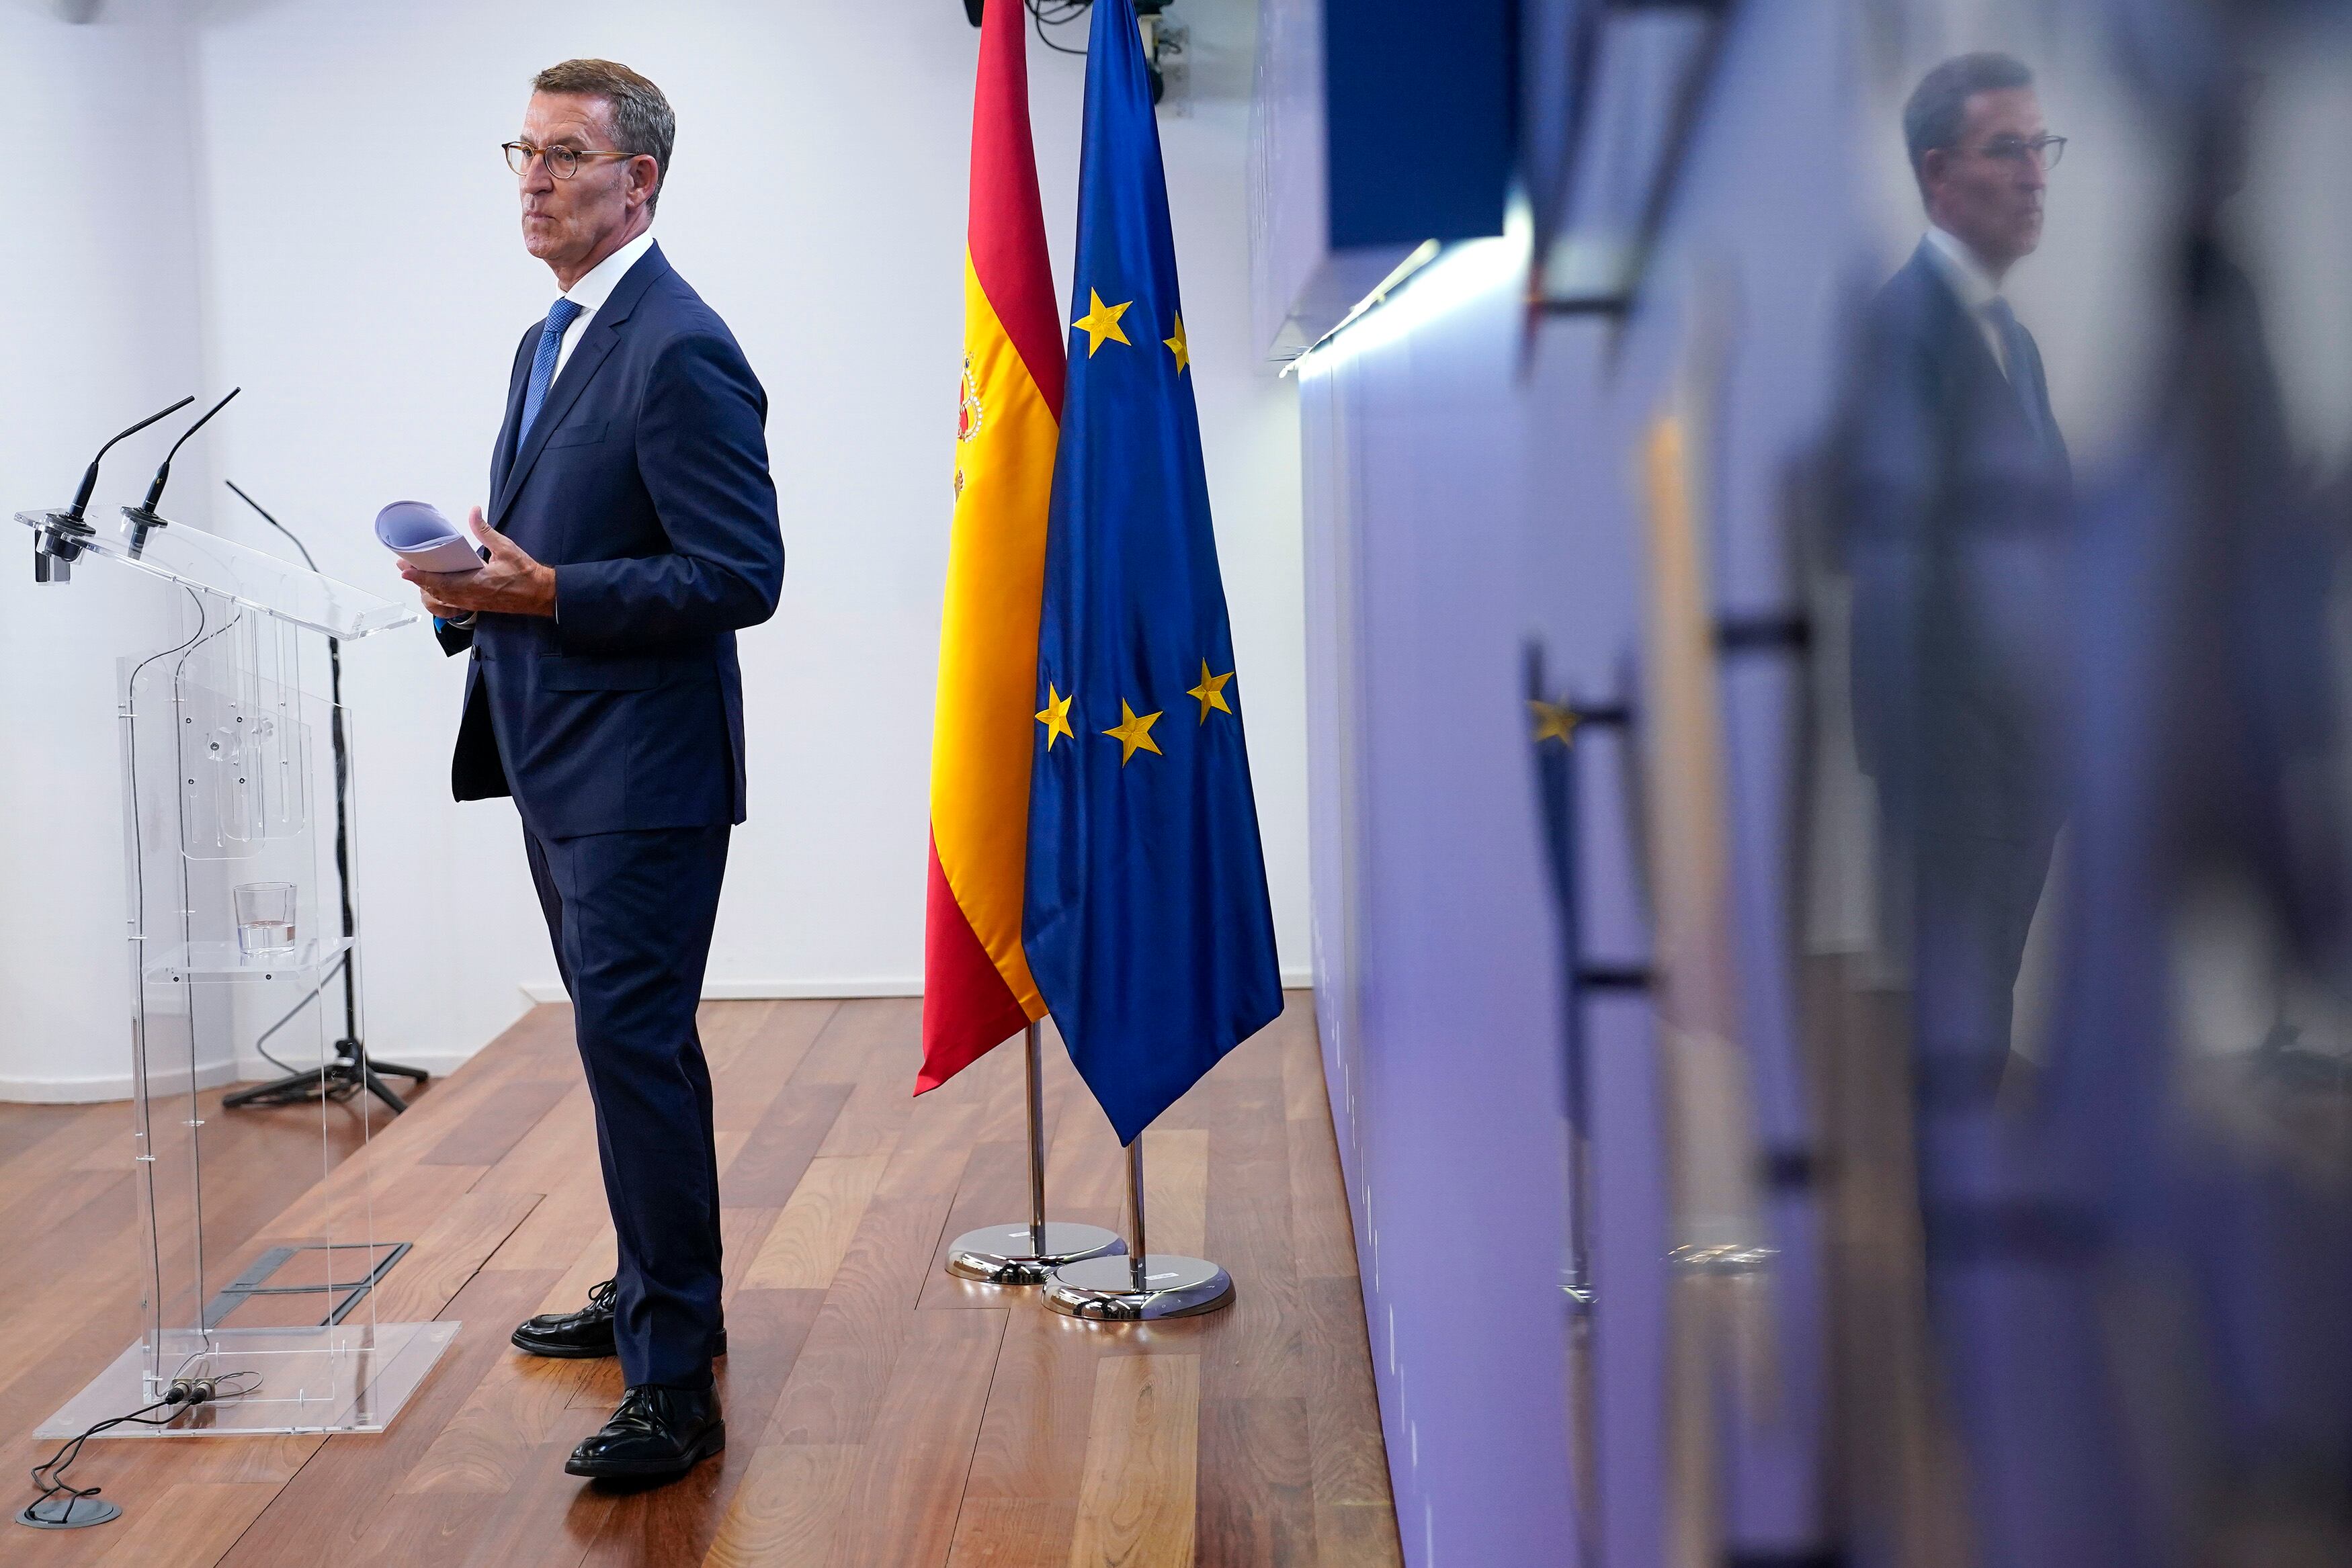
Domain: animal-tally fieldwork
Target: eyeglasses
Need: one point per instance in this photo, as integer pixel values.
(562, 162)
(2046, 150)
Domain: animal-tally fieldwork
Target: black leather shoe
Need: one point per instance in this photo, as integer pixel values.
(573, 1336)
(585, 1335)
(657, 1433)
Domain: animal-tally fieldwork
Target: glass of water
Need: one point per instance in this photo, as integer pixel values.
(265, 919)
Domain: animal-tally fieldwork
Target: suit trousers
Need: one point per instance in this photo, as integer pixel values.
(631, 916)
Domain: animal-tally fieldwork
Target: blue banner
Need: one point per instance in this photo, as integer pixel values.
(1145, 917)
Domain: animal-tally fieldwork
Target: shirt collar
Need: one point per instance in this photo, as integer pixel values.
(597, 284)
(1961, 269)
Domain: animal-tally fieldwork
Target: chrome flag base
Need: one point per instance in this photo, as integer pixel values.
(1013, 1255)
(1109, 1289)
(1026, 1254)
(1144, 1286)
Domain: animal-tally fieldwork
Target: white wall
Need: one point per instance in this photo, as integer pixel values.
(99, 277)
(365, 283)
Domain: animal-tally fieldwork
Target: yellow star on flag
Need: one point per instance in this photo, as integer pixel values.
(1554, 721)
(1211, 691)
(1056, 716)
(1134, 733)
(1183, 349)
(1102, 321)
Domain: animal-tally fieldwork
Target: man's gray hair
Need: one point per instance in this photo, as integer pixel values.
(1940, 104)
(641, 118)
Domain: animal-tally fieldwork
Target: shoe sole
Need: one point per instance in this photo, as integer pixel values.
(575, 1353)
(711, 1442)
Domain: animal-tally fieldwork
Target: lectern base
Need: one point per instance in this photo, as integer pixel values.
(347, 1378)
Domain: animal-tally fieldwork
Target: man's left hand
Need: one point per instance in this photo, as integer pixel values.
(509, 582)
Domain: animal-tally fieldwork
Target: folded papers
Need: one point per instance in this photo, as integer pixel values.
(418, 534)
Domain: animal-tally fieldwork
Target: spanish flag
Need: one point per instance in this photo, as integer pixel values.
(977, 989)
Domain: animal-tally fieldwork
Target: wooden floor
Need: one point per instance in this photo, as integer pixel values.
(880, 1414)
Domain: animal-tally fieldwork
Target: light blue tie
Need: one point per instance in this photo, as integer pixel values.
(560, 315)
(2017, 350)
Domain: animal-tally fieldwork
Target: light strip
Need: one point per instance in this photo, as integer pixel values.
(1442, 278)
(1422, 255)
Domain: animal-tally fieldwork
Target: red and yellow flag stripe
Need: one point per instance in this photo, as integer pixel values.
(977, 989)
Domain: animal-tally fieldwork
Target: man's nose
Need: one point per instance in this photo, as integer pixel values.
(2034, 171)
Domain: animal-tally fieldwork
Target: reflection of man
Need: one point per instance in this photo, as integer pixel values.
(1959, 484)
(632, 530)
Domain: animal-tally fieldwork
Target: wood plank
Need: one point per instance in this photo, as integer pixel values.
(856, 1032)
(727, 1030)
(448, 1255)
(882, 1101)
(488, 1135)
(746, 1080)
(1322, 1232)
(549, 1520)
(400, 1207)
(1176, 1191)
(862, 1430)
(599, 1260)
(194, 1523)
(776, 1155)
(803, 1248)
(681, 1521)
(547, 1158)
(1343, 1422)
(1258, 1353)
(1013, 1533)
(323, 1513)
(910, 1473)
(1358, 1534)
(1257, 1489)
(788, 1508)
(416, 1528)
(993, 1190)
(1139, 1498)
(563, 1224)
(837, 1385)
(522, 1404)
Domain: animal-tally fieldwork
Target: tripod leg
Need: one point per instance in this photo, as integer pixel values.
(285, 1090)
(353, 1053)
(382, 1091)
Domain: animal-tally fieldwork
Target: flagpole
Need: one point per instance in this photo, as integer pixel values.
(1144, 1285)
(1138, 1257)
(1033, 1064)
(1027, 1254)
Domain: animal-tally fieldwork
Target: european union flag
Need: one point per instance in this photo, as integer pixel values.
(1145, 914)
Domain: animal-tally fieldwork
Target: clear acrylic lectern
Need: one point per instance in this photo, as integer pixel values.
(241, 921)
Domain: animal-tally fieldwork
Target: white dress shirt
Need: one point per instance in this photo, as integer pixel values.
(590, 293)
(1969, 280)
(596, 286)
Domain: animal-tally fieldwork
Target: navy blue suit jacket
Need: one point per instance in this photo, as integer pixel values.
(1957, 489)
(643, 482)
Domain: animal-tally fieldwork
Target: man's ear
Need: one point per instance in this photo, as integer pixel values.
(1934, 164)
(644, 176)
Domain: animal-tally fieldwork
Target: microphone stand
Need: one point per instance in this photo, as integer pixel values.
(352, 1070)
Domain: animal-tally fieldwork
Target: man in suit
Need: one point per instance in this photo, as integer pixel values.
(1957, 488)
(632, 530)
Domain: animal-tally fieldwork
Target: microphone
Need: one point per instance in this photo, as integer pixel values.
(58, 542)
(164, 473)
(143, 515)
(90, 475)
